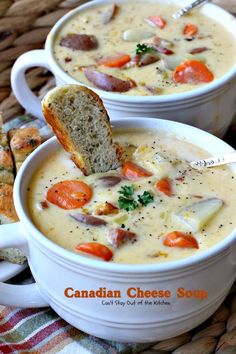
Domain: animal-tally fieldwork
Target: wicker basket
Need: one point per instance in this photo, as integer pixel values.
(215, 336)
(24, 25)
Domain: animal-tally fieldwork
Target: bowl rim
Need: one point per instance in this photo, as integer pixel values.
(137, 99)
(20, 193)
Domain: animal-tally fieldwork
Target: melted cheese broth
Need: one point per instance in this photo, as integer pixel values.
(161, 155)
(154, 78)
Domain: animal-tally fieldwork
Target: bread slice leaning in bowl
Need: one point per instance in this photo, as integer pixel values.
(81, 123)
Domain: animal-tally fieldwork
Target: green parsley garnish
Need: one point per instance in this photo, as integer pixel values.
(127, 191)
(145, 198)
(127, 204)
(143, 48)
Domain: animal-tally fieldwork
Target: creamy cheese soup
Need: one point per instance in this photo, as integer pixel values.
(156, 208)
(137, 48)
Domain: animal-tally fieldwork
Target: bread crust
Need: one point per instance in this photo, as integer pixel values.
(13, 255)
(7, 208)
(6, 166)
(6, 161)
(3, 139)
(62, 135)
(23, 141)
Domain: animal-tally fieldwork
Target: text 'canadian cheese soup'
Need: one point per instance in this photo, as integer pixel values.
(137, 48)
(153, 209)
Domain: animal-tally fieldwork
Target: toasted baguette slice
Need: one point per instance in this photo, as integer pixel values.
(6, 162)
(81, 123)
(6, 166)
(12, 255)
(8, 215)
(7, 209)
(23, 141)
(18, 166)
(3, 139)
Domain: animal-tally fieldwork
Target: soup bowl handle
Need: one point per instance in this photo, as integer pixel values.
(19, 84)
(13, 235)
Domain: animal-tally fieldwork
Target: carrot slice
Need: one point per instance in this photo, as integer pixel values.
(180, 239)
(116, 61)
(192, 71)
(132, 171)
(164, 185)
(95, 249)
(156, 21)
(69, 194)
(190, 29)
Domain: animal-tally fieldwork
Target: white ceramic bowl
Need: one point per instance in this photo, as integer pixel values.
(210, 107)
(55, 269)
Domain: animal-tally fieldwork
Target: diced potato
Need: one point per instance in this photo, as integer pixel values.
(172, 61)
(197, 57)
(121, 219)
(135, 35)
(154, 162)
(195, 216)
(142, 149)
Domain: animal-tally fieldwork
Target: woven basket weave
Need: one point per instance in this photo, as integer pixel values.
(24, 25)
